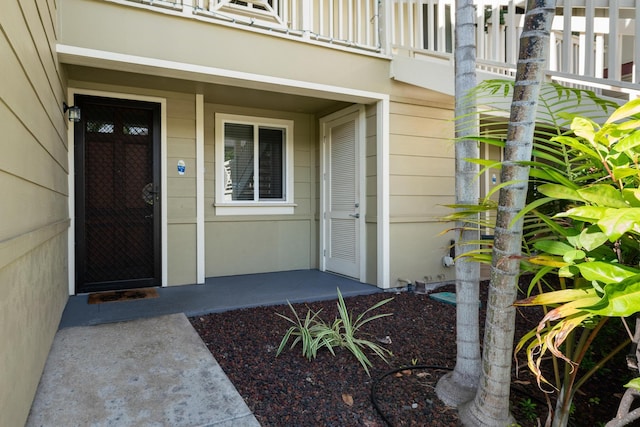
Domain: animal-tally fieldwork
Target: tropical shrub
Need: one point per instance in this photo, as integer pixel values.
(576, 164)
(344, 332)
(591, 245)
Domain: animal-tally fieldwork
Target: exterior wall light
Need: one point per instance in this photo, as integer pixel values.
(74, 112)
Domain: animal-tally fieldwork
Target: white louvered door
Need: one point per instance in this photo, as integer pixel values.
(342, 217)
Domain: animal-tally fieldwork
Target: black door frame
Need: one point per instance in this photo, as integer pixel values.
(80, 196)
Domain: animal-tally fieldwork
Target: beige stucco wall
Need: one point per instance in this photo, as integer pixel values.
(33, 212)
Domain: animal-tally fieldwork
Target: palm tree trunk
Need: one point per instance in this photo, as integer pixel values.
(490, 407)
(460, 385)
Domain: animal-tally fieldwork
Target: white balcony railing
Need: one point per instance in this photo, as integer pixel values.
(594, 42)
(352, 23)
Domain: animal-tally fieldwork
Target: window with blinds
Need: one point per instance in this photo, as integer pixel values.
(258, 166)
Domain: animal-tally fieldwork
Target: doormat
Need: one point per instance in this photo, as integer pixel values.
(117, 296)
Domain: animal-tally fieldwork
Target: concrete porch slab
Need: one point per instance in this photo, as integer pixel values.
(151, 372)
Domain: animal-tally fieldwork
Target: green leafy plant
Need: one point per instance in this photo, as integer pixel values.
(529, 409)
(581, 229)
(314, 333)
(591, 247)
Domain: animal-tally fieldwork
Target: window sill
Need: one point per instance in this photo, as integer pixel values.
(261, 208)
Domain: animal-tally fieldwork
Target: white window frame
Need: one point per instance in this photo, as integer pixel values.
(259, 207)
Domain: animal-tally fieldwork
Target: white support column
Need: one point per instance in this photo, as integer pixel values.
(411, 25)
(385, 17)
(359, 25)
(200, 234)
(480, 45)
(307, 18)
(614, 57)
(567, 38)
(368, 25)
(400, 22)
(420, 24)
(495, 32)
(442, 32)
(330, 20)
(350, 28)
(188, 6)
(341, 35)
(553, 52)
(321, 17)
(589, 38)
(452, 33)
(431, 26)
(581, 53)
(512, 34)
(599, 59)
(382, 154)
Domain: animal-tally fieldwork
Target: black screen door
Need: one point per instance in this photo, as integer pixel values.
(117, 161)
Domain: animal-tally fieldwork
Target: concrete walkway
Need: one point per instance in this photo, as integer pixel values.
(141, 363)
(149, 372)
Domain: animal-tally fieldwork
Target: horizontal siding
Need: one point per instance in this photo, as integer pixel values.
(181, 189)
(405, 208)
(256, 246)
(416, 252)
(31, 206)
(181, 254)
(28, 159)
(35, 92)
(415, 165)
(421, 161)
(408, 145)
(25, 104)
(424, 127)
(34, 213)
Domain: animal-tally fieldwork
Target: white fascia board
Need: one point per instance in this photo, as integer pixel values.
(181, 70)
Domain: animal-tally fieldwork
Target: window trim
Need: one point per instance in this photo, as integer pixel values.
(246, 207)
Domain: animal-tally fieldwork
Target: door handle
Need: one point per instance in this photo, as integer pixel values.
(355, 215)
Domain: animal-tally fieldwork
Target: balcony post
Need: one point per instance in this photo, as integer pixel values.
(589, 38)
(307, 18)
(566, 64)
(384, 26)
(599, 63)
(613, 53)
(188, 6)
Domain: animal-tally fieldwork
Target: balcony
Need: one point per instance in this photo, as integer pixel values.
(593, 42)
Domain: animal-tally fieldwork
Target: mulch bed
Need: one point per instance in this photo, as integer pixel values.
(290, 390)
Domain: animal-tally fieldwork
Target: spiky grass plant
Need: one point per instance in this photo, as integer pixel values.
(314, 333)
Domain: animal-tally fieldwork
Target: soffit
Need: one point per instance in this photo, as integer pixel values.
(213, 93)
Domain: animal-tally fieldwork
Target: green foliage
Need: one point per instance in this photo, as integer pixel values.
(634, 383)
(529, 409)
(592, 247)
(581, 227)
(314, 333)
